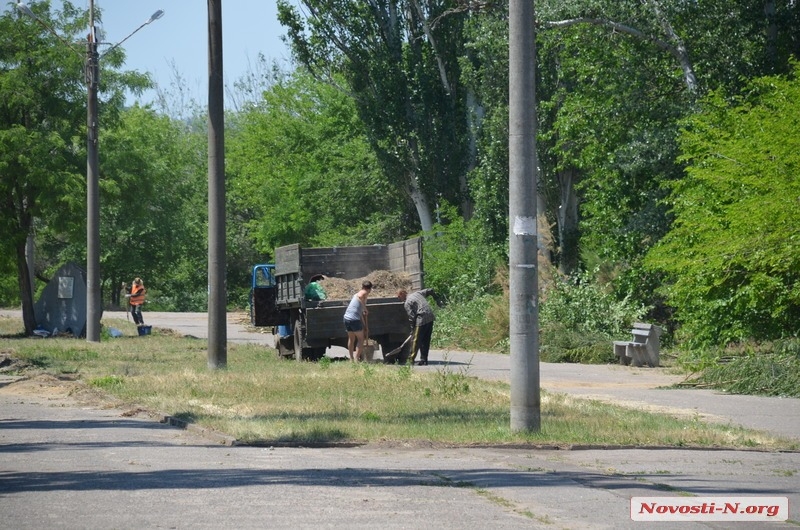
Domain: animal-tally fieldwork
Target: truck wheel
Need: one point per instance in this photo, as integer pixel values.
(397, 357)
(315, 354)
(304, 354)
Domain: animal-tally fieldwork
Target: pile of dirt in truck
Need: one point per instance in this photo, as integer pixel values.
(385, 284)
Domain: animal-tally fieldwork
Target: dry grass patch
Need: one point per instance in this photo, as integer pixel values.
(261, 399)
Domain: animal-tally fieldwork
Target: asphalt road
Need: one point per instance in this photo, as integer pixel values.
(64, 466)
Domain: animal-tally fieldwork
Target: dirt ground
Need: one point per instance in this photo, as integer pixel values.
(61, 390)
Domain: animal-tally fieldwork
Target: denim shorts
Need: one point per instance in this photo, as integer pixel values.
(353, 325)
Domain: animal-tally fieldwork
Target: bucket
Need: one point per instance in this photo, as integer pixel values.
(368, 351)
(144, 330)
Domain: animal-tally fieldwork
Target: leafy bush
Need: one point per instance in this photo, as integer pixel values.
(577, 323)
(196, 301)
(557, 344)
(9, 284)
(466, 326)
(580, 305)
(732, 257)
(459, 264)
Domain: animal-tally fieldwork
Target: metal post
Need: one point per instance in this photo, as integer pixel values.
(523, 269)
(217, 296)
(93, 302)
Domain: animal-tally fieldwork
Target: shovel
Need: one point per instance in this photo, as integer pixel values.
(391, 357)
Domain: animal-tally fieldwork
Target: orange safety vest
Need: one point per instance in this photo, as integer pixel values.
(137, 294)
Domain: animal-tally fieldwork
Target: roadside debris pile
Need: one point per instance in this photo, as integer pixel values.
(385, 284)
(9, 364)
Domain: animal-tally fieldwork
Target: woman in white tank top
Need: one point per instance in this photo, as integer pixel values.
(353, 321)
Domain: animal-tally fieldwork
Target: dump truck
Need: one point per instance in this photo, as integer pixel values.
(304, 329)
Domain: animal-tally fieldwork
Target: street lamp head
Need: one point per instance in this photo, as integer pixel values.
(25, 9)
(155, 16)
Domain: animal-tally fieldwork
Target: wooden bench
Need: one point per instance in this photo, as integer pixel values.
(644, 347)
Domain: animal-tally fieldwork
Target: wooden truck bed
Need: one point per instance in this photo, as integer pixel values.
(294, 266)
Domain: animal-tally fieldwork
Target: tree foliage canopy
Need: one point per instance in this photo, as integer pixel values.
(733, 254)
(302, 170)
(400, 62)
(410, 130)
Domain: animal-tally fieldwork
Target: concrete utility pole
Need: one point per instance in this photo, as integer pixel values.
(93, 302)
(217, 296)
(523, 269)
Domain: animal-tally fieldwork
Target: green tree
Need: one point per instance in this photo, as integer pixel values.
(614, 79)
(400, 61)
(42, 115)
(38, 117)
(733, 254)
(459, 265)
(301, 171)
(154, 189)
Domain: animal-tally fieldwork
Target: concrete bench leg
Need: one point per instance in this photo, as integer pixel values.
(653, 358)
(637, 354)
(620, 351)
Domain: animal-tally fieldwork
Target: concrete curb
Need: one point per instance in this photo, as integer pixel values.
(216, 436)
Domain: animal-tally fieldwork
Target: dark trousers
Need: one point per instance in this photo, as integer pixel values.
(136, 311)
(422, 341)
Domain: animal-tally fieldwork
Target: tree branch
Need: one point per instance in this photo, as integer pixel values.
(428, 33)
(679, 51)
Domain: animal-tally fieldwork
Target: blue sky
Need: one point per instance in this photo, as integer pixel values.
(249, 27)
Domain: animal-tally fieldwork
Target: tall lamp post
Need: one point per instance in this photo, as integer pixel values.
(93, 299)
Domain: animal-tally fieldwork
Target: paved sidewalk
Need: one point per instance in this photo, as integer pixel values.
(63, 466)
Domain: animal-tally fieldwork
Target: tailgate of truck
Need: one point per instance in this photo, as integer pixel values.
(385, 316)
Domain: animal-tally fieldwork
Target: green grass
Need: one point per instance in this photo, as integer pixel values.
(261, 399)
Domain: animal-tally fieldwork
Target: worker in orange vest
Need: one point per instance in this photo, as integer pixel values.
(135, 295)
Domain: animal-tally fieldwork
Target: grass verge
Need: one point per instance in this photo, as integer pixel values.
(261, 399)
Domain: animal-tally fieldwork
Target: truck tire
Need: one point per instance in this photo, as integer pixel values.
(300, 353)
(400, 357)
(315, 354)
(386, 347)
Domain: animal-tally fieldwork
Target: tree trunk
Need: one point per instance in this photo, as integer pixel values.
(30, 258)
(568, 222)
(678, 48)
(475, 114)
(674, 45)
(420, 203)
(25, 292)
(772, 35)
(545, 238)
